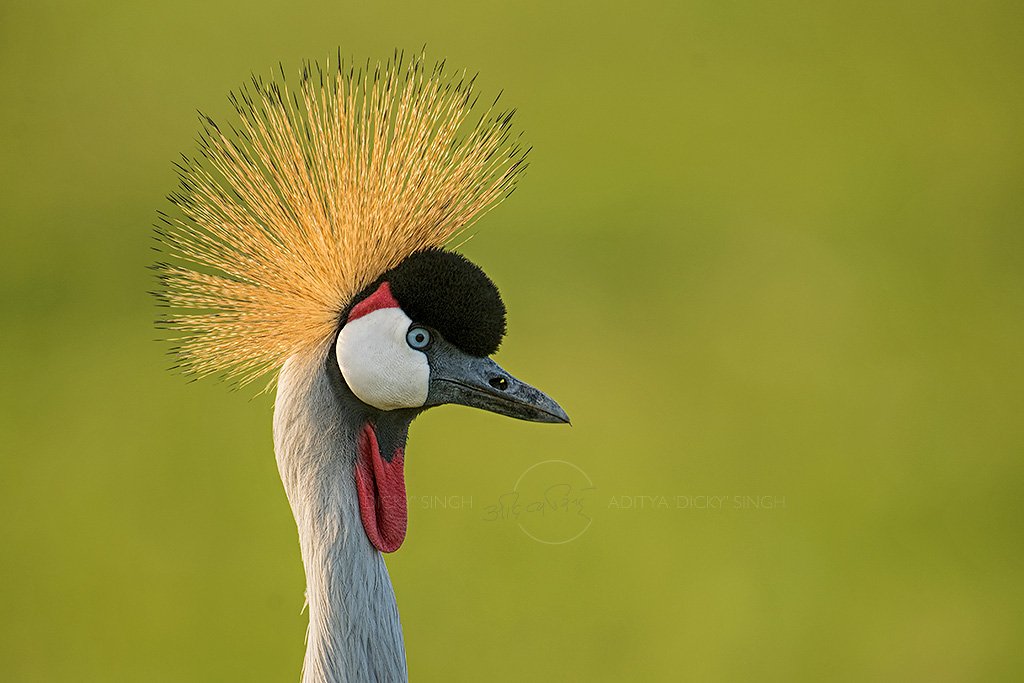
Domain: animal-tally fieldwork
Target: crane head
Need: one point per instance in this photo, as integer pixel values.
(421, 336)
(308, 236)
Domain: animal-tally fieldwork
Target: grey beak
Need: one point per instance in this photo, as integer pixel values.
(456, 377)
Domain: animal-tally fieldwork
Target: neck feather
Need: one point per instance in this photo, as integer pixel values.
(354, 629)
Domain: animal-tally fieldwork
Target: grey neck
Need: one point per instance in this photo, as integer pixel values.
(354, 629)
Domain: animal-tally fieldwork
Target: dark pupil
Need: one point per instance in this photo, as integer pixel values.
(419, 337)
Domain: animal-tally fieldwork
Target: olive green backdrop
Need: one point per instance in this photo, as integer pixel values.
(768, 255)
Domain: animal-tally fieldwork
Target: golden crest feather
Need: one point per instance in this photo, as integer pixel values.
(312, 194)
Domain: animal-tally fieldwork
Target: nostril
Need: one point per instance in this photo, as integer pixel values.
(499, 383)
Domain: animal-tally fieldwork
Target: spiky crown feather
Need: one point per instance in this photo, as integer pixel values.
(313, 194)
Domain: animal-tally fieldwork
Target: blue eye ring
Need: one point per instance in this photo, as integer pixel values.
(418, 337)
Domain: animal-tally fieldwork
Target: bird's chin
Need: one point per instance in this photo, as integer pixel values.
(380, 486)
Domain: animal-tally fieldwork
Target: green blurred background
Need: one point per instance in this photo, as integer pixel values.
(769, 251)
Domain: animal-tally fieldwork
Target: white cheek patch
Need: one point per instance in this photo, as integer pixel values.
(378, 364)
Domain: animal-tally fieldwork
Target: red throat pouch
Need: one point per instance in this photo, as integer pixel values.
(381, 489)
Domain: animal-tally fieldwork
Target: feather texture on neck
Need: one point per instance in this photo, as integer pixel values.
(354, 629)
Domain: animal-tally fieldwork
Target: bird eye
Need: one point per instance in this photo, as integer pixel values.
(418, 337)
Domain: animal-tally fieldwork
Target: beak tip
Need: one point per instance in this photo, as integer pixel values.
(562, 416)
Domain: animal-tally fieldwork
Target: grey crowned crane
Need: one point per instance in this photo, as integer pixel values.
(308, 239)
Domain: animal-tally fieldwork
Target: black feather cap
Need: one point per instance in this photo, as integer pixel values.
(449, 293)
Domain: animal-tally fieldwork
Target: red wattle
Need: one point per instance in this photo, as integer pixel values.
(380, 486)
